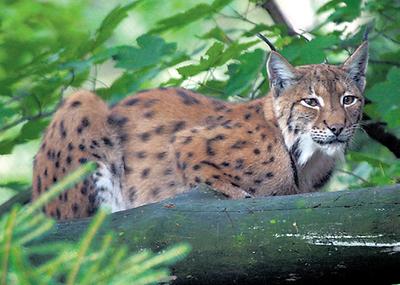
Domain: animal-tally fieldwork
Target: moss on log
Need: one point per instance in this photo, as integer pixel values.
(348, 236)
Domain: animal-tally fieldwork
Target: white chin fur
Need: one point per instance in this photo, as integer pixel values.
(308, 147)
(334, 150)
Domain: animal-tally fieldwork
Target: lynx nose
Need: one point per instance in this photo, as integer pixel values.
(336, 129)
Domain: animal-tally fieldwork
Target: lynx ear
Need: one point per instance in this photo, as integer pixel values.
(356, 65)
(280, 72)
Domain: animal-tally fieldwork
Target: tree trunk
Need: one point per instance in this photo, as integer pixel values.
(347, 236)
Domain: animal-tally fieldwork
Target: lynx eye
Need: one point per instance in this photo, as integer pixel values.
(349, 100)
(310, 102)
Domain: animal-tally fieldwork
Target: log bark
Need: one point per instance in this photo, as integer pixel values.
(324, 238)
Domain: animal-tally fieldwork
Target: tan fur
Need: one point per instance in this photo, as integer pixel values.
(160, 142)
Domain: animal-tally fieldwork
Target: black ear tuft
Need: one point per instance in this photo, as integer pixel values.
(356, 65)
(280, 72)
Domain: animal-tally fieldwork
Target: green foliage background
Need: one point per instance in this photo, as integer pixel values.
(50, 48)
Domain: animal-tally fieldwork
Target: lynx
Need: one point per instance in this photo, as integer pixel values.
(159, 143)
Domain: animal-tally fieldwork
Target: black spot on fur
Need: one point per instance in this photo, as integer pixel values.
(141, 154)
(82, 160)
(196, 167)
(127, 169)
(178, 126)
(107, 141)
(187, 140)
(150, 103)
(145, 136)
(132, 102)
(96, 155)
(39, 184)
(123, 137)
(225, 164)
(218, 106)
(145, 172)
(160, 129)
(239, 163)
(92, 198)
(75, 208)
(58, 213)
(63, 131)
(82, 147)
(68, 160)
(65, 196)
(149, 114)
(209, 143)
(247, 116)
(84, 190)
(239, 144)
(209, 163)
(132, 193)
(251, 190)
(85, 122)
(270, 160)
(269, 175)
(161, 155)
(155, 191)
(75, 104)
(256, 151)
(70, 146)
(115, 120)
(186, 98)
(168, 171)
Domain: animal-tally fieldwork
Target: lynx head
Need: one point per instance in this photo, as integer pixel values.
(318, 107)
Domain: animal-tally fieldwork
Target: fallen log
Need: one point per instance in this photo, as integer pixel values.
(324, 238)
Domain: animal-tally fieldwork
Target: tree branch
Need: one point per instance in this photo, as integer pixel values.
(315, 238)
(377, 132)
(23, 119)
(277, 16)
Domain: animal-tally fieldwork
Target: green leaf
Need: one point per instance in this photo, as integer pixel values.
(343, 10)
(385, 96)
(151, 51)
(15, 185)
(215, 56)
(211, 60)
(242, 75)
(302, 52)
(126, 84)
(32, 130)
(216, 33)
(180, 20)
(110, 22)
(374, 161)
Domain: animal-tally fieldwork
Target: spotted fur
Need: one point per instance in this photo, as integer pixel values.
(160, 142)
